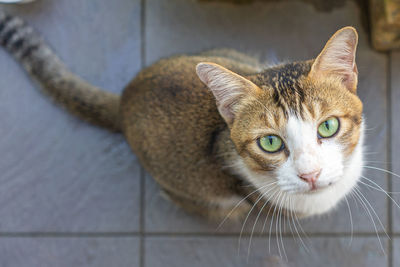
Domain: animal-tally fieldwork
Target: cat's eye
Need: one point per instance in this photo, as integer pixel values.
(328, 128)
(271, 143)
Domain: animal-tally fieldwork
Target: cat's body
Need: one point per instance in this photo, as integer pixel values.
(170, 119)
(201, 144)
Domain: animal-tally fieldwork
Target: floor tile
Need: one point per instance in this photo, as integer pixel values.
(396, 251)
(98, 40)
(66, 252)
(163, 216)
(321, 251)
(181, 26)
(58, 173)
(276, 31)
(395, 97)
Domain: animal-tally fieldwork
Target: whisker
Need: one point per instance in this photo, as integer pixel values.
(351, 220)
(301, 228)
(276, 225)
(275, 195)
(355, 201)
(373, 210)
(292, 212)
(383, 170)
(255, 223)
(270, 226)
(380, 162)
(240, 202)
(246, 185)
(280, 227)
(259, 185)
(290, 219)
(248, 214)
(373, 187)
(379, 189)
(370, 215)
(370, 129)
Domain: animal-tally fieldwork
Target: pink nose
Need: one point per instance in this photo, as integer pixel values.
(310, 177)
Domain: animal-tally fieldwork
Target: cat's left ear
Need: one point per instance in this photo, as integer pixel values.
(338, 59)
(228, 88)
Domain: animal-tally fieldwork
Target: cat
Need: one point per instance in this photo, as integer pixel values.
(206, 126)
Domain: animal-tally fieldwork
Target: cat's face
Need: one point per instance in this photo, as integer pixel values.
(319, 131)
(297, 128)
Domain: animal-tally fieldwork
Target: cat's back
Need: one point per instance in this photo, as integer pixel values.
(169, 116)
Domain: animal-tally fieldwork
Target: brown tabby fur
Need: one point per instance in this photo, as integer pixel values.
(170, 119)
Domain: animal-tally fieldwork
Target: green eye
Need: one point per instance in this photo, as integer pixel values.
(328, 128)
(271, 143)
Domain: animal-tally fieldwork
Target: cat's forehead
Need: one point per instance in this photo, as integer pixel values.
(284, 85)
(287, 90)
(285, 75)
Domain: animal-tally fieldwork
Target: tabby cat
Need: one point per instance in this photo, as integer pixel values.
(205, 125)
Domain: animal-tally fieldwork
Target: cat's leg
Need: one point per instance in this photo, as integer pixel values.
(234, 207)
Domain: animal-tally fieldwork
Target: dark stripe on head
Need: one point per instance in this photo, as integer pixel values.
(284, 80)
(277, 100)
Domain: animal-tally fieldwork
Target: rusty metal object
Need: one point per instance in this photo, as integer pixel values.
(385, 24)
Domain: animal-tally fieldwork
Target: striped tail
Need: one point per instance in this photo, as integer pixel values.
(74, 94)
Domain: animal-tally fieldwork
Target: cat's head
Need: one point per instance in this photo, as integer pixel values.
(297, 128)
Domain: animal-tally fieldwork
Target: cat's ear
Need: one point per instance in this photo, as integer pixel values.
(337, 59)
(228, 88)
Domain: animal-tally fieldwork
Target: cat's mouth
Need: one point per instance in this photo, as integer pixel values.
(319, 188)
(315, 190)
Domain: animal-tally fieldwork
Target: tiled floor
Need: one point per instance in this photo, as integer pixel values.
(74, 195)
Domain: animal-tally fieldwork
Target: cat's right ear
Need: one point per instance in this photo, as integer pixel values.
(228, 88)
(338, 59)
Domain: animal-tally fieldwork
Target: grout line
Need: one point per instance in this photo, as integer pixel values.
(322, 234)
(169, 234)
(69, 235)
(389, 155)
(142, 171)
